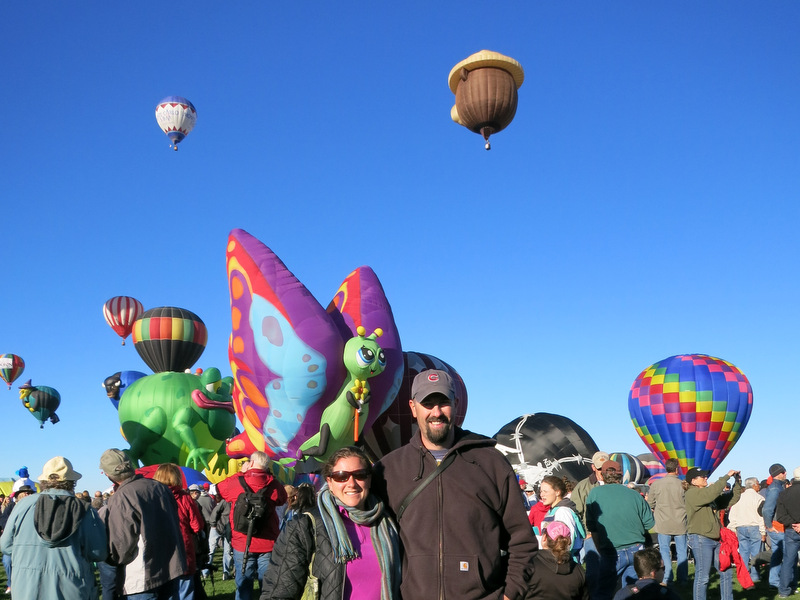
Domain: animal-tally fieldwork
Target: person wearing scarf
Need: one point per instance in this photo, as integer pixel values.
(349, 535)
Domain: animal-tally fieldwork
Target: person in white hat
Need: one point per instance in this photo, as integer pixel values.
(53, 539)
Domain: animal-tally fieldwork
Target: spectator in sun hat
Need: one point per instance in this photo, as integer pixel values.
(54, 538)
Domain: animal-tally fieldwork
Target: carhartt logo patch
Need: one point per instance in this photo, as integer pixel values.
(463, 566)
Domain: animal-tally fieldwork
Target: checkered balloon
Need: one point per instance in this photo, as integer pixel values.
(691, 407)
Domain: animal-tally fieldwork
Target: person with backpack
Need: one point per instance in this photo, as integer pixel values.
(254, 494)
(553, 491)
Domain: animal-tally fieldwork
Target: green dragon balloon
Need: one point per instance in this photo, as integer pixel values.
(180, 418)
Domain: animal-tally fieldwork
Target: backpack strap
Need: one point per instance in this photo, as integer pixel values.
(448, 460)
(244, 485)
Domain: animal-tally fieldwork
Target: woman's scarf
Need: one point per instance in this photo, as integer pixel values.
(383, 533)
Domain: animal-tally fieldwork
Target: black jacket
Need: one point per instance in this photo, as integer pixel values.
(787, 511)
(466, 535)
(288, 566)
(553, 581)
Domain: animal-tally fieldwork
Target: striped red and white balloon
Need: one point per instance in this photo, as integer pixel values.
(121, 312)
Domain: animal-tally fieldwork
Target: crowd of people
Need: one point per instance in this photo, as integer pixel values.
(444, 516)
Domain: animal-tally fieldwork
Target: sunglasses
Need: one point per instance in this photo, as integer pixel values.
(344, 476)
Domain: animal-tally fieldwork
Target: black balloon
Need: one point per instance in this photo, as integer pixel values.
(169, 338)
(544, 444)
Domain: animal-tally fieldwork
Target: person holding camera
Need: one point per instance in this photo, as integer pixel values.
(703, 503)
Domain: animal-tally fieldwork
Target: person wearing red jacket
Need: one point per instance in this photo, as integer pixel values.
(257, 475)
(190, 520)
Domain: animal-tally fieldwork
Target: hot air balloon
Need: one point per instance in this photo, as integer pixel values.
(11, 367)
(176, 116)
(117, 383)
(485, 85)
(396, 425)
(169, 338)
(41, 401)
(691, 407)
(654, 467)
(120, 313)
(633, 470)
(544, 444)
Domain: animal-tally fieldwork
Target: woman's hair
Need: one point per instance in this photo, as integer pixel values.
(556, 483)
(169, 474)
(346, 452)
(306, 497)
(560, 547)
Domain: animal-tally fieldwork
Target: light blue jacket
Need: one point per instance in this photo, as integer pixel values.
(52, 556)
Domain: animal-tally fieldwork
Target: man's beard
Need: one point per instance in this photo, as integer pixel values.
(437, 436)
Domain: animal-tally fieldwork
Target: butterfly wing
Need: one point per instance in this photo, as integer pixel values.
(361, 301)
(285, 350)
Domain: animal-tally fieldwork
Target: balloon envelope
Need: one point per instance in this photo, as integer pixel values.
(120, 313)
(633, 470)
(169, 338)
(177, 117)
(11, 367)
(692, 407)
(654, 467)
(544, 444)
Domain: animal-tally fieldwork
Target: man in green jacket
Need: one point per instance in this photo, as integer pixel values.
(703, 501)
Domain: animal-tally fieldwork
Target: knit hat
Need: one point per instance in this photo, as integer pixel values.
(776, 470)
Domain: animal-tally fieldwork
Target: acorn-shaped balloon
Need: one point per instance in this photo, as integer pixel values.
(485, 85)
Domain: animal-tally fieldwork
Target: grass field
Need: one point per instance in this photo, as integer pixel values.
(217, 589)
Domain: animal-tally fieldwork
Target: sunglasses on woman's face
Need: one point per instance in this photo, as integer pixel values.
(344, 476)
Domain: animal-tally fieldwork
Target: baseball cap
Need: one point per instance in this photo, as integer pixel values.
(58, 469)
(115, 462)
(598, 458)
(695, 472)
(195, 488)
(431, 382)
(611, 466)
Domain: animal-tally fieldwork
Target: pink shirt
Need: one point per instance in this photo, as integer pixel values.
(364, 570)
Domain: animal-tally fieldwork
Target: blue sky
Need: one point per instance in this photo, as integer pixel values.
(642, 203)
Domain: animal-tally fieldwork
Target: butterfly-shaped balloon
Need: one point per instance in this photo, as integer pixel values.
(294, 394)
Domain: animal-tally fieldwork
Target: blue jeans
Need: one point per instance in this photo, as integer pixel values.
(7, 567)
(666, 555)
(255, 568)
(706, 554)
(776, 544)
(791, 545)
(749, 546)
(591, 560)
(167, 591)
(227, 555)
(613, 566)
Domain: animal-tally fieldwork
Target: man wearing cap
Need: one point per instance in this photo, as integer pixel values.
(775, 484)
(619, 519)
(54, 538)
(666, 499)
(787, 513)
(462, 524)
(703, 501)
(143, 531)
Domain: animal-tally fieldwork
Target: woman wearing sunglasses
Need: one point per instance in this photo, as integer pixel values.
(352, 540)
